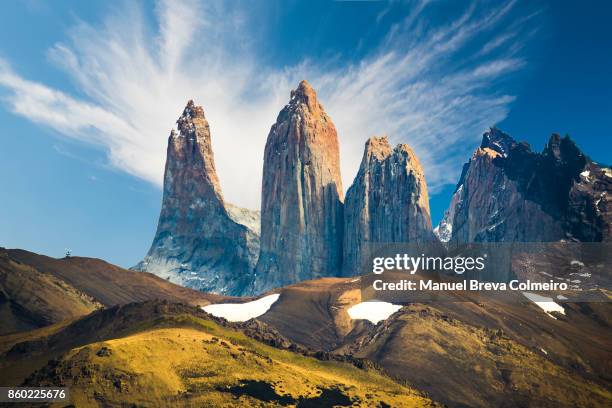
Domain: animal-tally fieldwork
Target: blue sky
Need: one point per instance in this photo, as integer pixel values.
(90, 90)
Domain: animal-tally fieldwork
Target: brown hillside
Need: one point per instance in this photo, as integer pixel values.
(110, 284)
(30, 298)
(473, 351)
(313, 313)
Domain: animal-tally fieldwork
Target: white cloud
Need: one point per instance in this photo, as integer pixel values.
(135, 79)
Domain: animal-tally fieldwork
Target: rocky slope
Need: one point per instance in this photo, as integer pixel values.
(509, 193)
(200, 241)
(387, 202)
(301, 205)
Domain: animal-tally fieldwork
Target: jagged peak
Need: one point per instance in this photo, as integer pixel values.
(497, 140)
(412, 161)
(304, 105)
(192, 111)
(559, 147)
(378, 147)
(305, 93)
(404, 148)
(553, 146)
(192, 116)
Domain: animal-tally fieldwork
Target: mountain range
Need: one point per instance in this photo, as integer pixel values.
(307, 229)
(151, 337)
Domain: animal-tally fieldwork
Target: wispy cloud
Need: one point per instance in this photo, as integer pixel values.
(434, 86)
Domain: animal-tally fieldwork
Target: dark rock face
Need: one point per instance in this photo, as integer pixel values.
(301, 204)
(387, 202)
(201, 241)
(509, 193)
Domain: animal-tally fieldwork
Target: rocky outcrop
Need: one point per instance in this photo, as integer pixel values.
(387, 202)
(587, 216)
(301, 204)
(201, 242)
(508, 193)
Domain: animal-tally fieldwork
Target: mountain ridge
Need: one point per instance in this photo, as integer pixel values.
(307, 229)
(507, 192)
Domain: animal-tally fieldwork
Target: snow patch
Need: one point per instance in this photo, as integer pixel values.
(444, 230)
(582, 274)
(241, 312)
(601, 196)
(545, 273)
(373, 311)
(585, 174)
(545, 303)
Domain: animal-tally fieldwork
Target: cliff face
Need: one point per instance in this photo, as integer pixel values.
(509, 193)
(506, 193)
(387, 202)
(301, 204)
(200, 242)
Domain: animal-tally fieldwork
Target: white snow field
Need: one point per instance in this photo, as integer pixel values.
(241, 312)
(545, 303)
(373, 311)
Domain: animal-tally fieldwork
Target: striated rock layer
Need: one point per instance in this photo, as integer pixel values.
(387, 202)
(201, 242)
(509, 193)
(301, 204)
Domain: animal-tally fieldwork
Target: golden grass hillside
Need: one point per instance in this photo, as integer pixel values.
(185, 359)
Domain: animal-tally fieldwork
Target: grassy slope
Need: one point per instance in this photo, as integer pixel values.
(460, 364)
(189, 361)
(450, 351)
